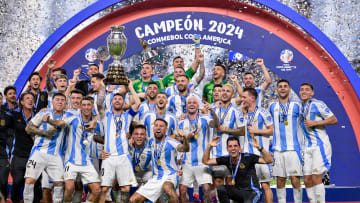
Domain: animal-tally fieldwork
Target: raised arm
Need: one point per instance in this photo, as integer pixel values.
(200, 77)
(266, 157)
(239, 89)
(51, 65)
(101, 66)
(100, 101)
(135, 96)
(267, 81)
(206, 157)
(195, 64)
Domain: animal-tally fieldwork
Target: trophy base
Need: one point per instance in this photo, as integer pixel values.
(116, 75)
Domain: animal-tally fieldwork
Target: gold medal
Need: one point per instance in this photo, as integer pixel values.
(242, 166)
(42, 98)
(286, 122)
(196, 136)
(117, 135)
(233, 181)
(137, 168)
(158, 162)
(2, 123)
(85, 142)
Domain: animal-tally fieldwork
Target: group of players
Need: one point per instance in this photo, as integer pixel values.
(160, 135)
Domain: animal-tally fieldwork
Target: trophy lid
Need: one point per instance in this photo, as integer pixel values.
(117, 27)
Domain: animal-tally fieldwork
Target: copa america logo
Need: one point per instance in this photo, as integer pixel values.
(286, 56)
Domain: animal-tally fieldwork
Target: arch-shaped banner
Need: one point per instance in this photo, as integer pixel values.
(253, 32)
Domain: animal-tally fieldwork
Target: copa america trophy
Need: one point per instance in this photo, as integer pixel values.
(116, 44)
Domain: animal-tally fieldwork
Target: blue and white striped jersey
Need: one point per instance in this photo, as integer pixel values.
(260, 119)
(286, 120)
(164, 157)
(143, 109)
(173, 90)
(53, 145)
(177, 103)
(141, 158)
(315, 110)
(79, 141)
(199, 142)
(115, 129)
(230, 117)
(149, 118)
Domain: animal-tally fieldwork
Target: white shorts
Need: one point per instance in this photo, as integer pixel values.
(152, 190)
(220, 171)
(87, 173)
(45, 182)
(317, 160)
(143, 176)
(287, 163)
(40, 161)
(191, 174)
(119, 167)
(263, 172)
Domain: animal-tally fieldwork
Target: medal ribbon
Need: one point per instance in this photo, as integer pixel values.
(157, 151)
(237, 167)
(251, 118)
(136, 159)
(285, 110)
(118, 124)
(37, 100)
(84, 133)
(25, 119)
(224, 116)
(305, 110)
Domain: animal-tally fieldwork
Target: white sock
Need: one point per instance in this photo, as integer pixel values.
(58, 194)
(320, 192)
(28, 193)
(310, 191)
(117, 194)
(87, 201)
(281, 195)
(297, 192)
(108, 195)
(77, 196)
(196, 188)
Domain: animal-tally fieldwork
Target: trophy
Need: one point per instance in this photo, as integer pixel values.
(148, 53)
(116, 44)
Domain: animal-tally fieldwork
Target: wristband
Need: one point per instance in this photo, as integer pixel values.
(261, 148)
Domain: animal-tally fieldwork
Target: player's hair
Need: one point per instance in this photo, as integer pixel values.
(217, 85)
(282, 80)
(118, 94)
(251, 91)
(183, 75)
(60, 76)
(160, 119)
(98, 76)
(22, 96)
(141, 126)
(163, 94)
(58, 94)
(232, 139)
(249, 73)
(87, 98)
(198, 101)
(153, 83)
(177, 57)
(94, 64)
(33, 74)
(308, 84)
(230, 85)
(148, 63)
(77, 91)
(8, 88)
(222, 66)
(62, 71)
